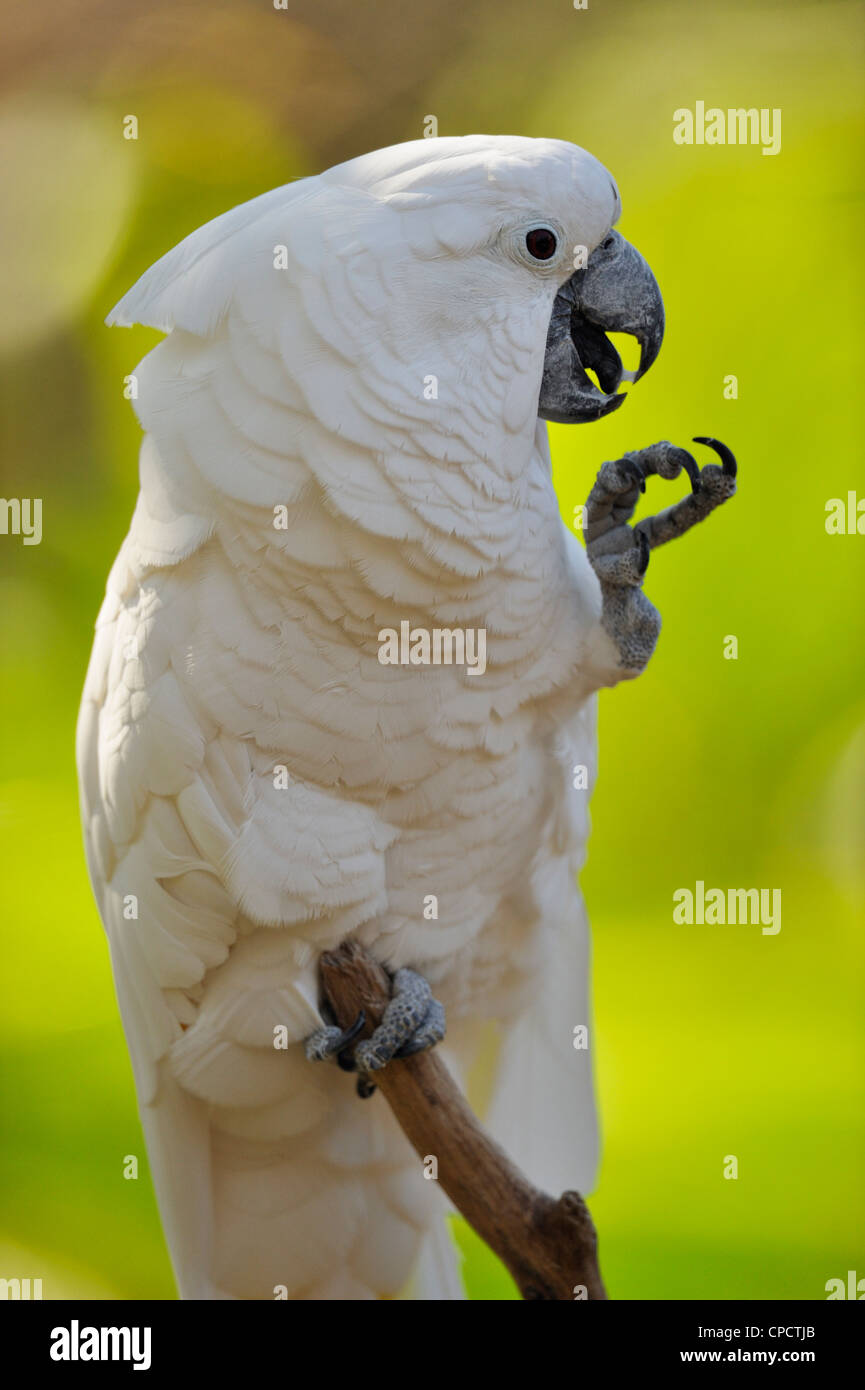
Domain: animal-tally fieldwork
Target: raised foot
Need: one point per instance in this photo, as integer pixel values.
(619, 553)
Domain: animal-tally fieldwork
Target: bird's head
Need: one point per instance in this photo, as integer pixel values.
(395, 322)
(482, 233)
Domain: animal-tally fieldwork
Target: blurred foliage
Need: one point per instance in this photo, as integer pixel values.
(709, 1040)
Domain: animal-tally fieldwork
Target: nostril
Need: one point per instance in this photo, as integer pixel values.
(610, 241)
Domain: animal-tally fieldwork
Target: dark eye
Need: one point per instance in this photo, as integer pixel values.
(541, 243)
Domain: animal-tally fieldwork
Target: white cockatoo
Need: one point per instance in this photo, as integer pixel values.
(344, 438)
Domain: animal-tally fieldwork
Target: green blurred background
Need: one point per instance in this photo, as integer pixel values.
(710, 1041)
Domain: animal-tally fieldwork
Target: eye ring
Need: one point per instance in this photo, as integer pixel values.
(541, 243)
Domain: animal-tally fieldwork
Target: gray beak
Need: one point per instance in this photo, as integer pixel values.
(616, 293)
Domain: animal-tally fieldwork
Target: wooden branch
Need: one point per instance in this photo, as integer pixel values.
(549, 1246)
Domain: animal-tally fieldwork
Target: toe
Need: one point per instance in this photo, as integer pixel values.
(430, 1032)
(326, 1041)
(412, 1022)
(322, 1043)
(402, 1017)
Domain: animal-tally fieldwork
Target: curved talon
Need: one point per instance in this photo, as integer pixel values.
(691, 467)
(346, 1060)
(645, 550)
(727, 457)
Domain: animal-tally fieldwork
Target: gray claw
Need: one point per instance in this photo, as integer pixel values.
(412, 1015)
(431, 1031)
